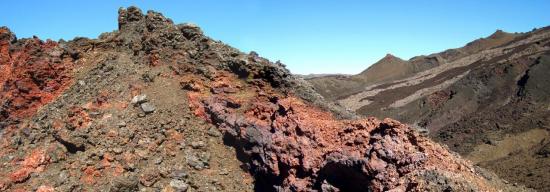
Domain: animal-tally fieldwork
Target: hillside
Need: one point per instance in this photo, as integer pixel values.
(391, 68)
(158, 106)
(480, 100)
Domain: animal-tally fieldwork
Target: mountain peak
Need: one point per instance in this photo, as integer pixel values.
(128, 15)
(153, 27)
(389, 58)
(132, 18)
(498, 34)
(389, 55)
(6, 34)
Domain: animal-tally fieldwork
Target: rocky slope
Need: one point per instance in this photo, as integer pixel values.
(477, 100)
(391, 68)
(156, 106)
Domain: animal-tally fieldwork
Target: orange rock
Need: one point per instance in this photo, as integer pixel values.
(31, 163)
(79, 118)
(20, 175)
(51, 75)
(89, 175)
(36, 158)
(45, 188)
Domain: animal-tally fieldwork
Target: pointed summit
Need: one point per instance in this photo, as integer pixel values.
(388, 68)
(130, 15)
(6, 35)
(133, 18)
(152, 31)
(498, 34)
(390, 57)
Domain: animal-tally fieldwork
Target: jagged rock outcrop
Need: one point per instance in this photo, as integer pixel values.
(291, 145)
(84, 127)
(32, 73)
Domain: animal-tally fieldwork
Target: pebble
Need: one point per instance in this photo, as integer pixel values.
(158, 160)
(179, 174)
(147, 108)
(197, 144)
(94, 114)
(130, 167)
(195, 162)
(117, 150)
(179, 185)
(224, 172)
(138, 99)
(121, 124)
(63, 177)
(130, 183)
(214, 132)
(204, 157)
(90, 162)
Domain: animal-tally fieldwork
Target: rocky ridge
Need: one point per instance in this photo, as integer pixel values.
(156, 106)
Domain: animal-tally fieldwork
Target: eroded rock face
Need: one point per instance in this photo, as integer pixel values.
(32, 73)
(293, 146)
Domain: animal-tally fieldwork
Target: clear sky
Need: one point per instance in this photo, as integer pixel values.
(309, 36)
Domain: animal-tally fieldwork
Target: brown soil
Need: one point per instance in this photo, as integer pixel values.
(521, 158)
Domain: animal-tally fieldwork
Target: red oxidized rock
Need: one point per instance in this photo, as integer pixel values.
(295, 146)
(90, 174)
(20, 175)
(32, 73)
(45, 188)
(32, 163)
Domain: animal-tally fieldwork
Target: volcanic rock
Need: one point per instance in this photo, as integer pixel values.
(283, 136)
(139, 99)
(147, 108)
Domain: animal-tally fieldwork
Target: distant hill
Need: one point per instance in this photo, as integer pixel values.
(479, 100)
(391, 68)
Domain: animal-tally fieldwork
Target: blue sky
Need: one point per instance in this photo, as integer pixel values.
(308, 36)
